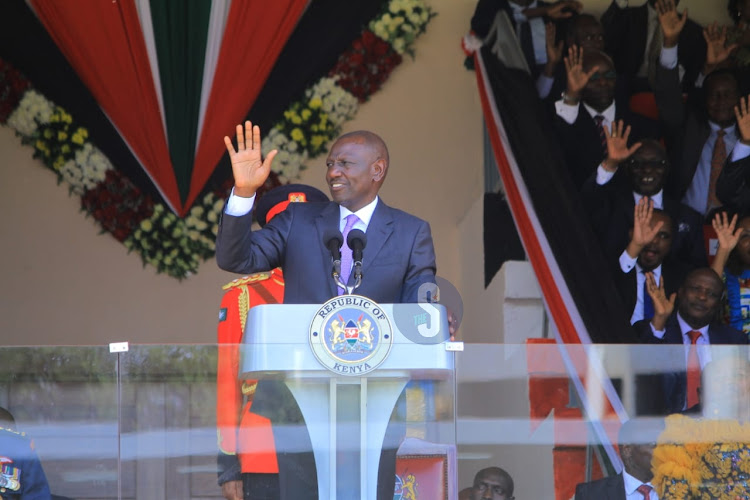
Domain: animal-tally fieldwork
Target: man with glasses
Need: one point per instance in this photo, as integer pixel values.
(588, 108)
(627, 175)
(694, 325)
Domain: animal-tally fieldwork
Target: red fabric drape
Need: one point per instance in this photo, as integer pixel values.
(103, 41)
(255, 33)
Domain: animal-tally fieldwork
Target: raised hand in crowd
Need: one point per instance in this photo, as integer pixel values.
(617, 145)
(728, 238)
(643, 232)
(742, 114)
(663, 306)
(577, 77)
(671, 21)
(717, 50)
(554, 50)
(249, 169)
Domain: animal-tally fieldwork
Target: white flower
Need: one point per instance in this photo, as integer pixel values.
(32, 110)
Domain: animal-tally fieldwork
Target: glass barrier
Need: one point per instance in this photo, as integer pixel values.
(143, 423)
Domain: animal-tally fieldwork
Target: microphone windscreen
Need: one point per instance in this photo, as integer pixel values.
(356, 234)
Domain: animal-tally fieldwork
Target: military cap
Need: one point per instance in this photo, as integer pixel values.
(277, 199)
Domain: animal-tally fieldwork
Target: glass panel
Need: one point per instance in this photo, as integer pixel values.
(560, 408)
(65, 400)
(169, 421)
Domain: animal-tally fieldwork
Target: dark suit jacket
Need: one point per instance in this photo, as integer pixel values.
(610, 209)
(625, 32)
(398, 258)
(664, 393)
(607, 488)
(686, 129)
(582, 145)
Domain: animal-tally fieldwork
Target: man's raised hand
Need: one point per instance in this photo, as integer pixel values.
(617, 145)
(249, 169)
(671, 21)
(577, 77)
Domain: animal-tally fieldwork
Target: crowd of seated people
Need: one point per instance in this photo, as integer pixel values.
(650, 114)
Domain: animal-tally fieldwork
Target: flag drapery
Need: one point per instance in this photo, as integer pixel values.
(106, 44)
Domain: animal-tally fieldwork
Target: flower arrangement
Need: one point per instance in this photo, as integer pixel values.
(703, 459)
(402, 23)
(174, 245)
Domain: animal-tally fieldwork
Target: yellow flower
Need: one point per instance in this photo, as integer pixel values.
(61, 136)
(306, 114)
(59, 162)
(317, 140)
(146, 225)
(48, 133)
(315, 103)
(297, 135)
(66, 118)
(65, 148)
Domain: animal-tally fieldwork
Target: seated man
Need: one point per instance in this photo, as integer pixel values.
(636, 441)
(528, 19)
(650, 242)
(693, 324)
(494, 483)
(21, 473)
(628, 175)
(588, 108)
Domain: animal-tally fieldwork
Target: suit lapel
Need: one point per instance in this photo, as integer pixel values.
(616, 488)
(378, 232)
(328, 219)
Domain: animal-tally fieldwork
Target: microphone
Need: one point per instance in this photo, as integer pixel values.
(356, 240)
(333, 241)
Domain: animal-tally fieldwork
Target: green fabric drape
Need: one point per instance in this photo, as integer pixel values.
(180, 33)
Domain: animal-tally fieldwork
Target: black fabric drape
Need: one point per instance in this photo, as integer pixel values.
(326, 29)
(25, 44)
(556, 202)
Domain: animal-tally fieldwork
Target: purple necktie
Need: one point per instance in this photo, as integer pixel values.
(346, 252)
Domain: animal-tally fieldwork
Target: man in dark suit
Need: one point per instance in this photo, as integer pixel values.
(636, 442)
(398, 259)
(701, 134)
(528, 18)
(647, 251)
(632, 37)
(399, 256)
(588, 108)
(693, 325)
(628, 175)
(733, 184)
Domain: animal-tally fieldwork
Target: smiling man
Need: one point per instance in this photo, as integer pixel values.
(694, 325)
(628, 175)
(398, 258)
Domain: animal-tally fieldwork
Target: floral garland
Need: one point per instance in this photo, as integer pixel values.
(706, 459)
(173, 245)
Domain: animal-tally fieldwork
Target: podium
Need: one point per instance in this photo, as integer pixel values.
(347, 411)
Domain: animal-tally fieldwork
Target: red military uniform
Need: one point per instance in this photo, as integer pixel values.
(242, 433)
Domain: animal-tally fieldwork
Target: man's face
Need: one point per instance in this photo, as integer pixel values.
(589, 34)
(353, 173)
(722, 95)
(599, 92)
(657, 249)
(637, 460)
(699, 297)
(647, 169)
(743, 244)
(493, 486)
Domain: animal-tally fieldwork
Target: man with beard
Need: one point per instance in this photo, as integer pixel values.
(588, 108)
(700, 137)
(628, 175)
(693, 325)
(650, 242)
